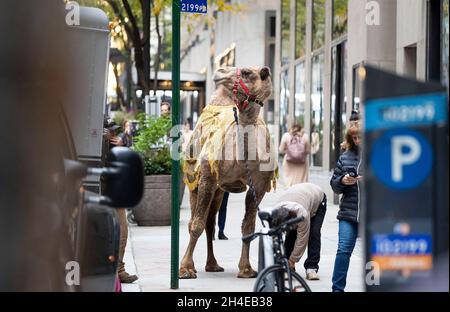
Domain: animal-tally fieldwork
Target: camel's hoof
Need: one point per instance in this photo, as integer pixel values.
(187, 273)
(214, 268)
(247, 273)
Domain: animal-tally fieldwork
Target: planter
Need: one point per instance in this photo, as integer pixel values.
(155, 206)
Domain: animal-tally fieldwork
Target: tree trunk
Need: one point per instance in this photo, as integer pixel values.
(120, 96)
(158, 54)
(146, 14)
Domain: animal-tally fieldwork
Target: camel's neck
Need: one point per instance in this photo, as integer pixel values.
(222, 97)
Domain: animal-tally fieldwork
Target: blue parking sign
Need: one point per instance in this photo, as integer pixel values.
(401, 159)
(194, 6)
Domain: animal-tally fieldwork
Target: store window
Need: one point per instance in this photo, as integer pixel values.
(284, 102)
(300, 28)
(338, 100)
(285, 30)
(318, 31)
(339, 18)
(444, 43)
(317, 117)
(300, 94)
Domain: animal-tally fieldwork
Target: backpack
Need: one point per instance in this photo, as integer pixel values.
(296, 151)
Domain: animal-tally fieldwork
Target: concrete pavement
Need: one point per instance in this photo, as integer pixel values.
(148, 252)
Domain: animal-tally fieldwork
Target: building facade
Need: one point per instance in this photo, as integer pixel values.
(314, 48)
(321, 44)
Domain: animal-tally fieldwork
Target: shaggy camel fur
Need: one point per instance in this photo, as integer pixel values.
(229, 175)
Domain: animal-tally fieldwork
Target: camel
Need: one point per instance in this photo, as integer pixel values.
(245, 89)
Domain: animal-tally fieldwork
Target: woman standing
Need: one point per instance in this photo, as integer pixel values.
(345, 181)
(296, 148)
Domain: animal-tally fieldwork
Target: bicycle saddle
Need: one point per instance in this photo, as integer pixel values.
(265, 216)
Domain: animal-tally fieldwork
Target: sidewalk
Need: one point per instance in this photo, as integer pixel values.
(148, 253)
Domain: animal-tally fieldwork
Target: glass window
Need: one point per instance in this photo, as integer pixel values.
(318, 31)
(273, 25)
(272, 57)
(339, 18)
(356, 92)
(300, 94)
(317, 110)
(338, 100)
(444, 42)
(285, 24)
(300, 28)
(284, 102)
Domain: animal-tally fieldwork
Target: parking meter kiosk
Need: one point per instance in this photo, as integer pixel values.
(405, 183)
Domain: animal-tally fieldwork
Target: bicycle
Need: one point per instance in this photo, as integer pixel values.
(275, 275)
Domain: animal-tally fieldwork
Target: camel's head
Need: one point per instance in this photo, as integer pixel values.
(257, 81)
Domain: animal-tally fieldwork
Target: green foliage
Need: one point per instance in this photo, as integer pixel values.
(339, 18)
(151, 143)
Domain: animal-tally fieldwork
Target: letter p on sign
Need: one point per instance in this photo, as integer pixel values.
(400, 157)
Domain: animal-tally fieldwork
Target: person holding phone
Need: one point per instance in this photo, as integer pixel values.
(345, 179)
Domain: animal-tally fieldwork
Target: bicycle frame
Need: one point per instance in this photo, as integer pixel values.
(273, 253)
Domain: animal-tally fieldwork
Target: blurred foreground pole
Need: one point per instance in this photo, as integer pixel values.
(175, 162)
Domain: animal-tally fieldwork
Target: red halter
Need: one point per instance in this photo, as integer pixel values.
(250, 98)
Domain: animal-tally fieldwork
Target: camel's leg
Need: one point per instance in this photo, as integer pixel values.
(248, 227)
(205, 192)
(211, 262)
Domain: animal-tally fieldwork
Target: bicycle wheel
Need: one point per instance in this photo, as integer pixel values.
(274, 279)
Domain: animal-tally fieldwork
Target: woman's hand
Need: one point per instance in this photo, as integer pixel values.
(116, 141)
(348, 180)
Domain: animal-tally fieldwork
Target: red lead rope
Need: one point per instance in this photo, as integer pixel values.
(250, 98)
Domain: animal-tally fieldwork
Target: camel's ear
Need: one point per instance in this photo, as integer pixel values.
(222, 73)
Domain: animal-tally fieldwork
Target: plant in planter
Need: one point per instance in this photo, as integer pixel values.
(152, 144)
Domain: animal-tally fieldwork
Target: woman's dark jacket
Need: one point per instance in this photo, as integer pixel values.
(349, 204)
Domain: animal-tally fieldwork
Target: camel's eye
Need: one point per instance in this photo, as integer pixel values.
(246, 72)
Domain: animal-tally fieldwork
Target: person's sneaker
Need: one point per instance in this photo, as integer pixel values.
(126, 278)
(222, 236)
(312, 275)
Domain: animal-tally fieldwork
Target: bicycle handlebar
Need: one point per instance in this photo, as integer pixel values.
(271, 232)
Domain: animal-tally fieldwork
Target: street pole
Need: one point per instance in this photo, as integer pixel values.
(175, 228)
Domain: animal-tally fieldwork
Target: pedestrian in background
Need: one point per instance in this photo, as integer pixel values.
(345, 179)
(186, 134)
(354, 121)
(296, 148)
(120, 140)
(165, 109)
(223, 216)
(126, 136)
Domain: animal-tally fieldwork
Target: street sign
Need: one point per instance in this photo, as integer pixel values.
(405, 159)
(194, 6)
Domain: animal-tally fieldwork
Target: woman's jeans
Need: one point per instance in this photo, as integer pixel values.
(348, 232)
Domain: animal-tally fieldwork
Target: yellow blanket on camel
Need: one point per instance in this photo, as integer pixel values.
(208, 140)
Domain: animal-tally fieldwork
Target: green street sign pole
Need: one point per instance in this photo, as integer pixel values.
(175, 228)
